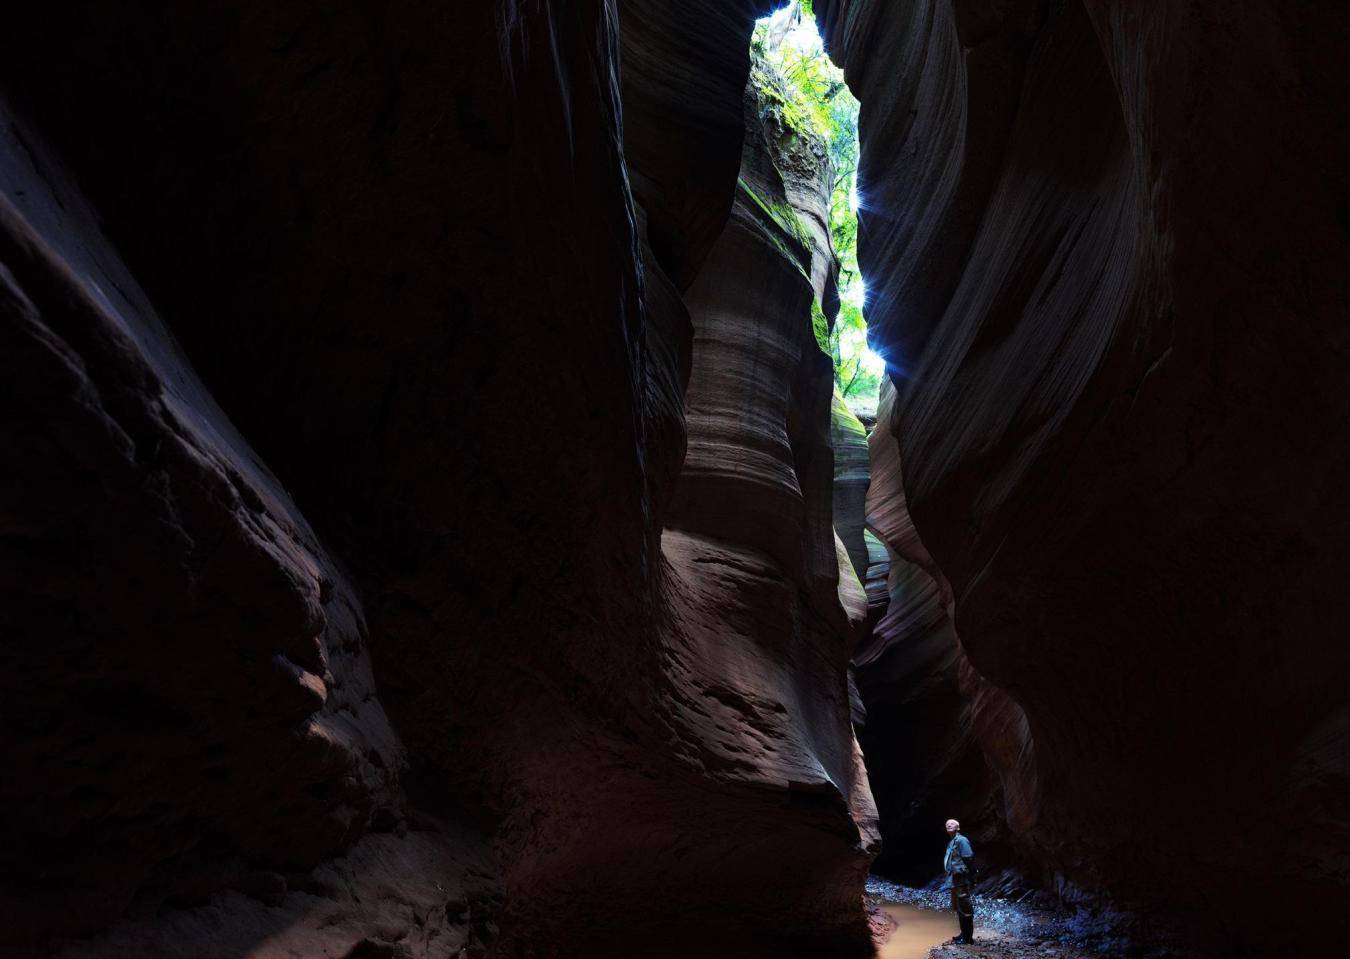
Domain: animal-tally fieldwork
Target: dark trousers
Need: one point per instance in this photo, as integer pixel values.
(963, 907)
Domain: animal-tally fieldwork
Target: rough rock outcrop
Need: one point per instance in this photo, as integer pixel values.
(1107, 251)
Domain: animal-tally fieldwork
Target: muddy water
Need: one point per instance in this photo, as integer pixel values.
(918, 930)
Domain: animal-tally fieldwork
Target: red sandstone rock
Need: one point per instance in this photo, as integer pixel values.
(683, 81)
(1107, 255)
(754, 554)
(849, 439)
(373, 233)
(852, 596)
(1108, 268)
(929, 752)
(188, 692)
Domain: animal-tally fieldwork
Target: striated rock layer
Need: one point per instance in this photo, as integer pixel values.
(189, 698)
(849, 438)
(941, 741)
(1107, 252)
(752, 543)
(377, 235)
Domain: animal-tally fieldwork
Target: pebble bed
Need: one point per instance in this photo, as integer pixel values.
(1005, 929)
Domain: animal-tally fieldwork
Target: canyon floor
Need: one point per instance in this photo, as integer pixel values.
(913, 923)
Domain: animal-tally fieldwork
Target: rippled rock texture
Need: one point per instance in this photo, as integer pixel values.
(360, 593)
(753, 548)
(937, 734)
(849, 438)
(397, 250)
(1106, 251)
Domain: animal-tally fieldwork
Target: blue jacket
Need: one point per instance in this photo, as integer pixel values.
(959, 854)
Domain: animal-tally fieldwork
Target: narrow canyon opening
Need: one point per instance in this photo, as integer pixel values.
(909, 705)
(808, 120)
(540, 480)
(799, 167)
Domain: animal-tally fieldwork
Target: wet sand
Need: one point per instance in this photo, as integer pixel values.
(917, 930)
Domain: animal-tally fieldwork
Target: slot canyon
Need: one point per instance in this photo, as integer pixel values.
(435, 526)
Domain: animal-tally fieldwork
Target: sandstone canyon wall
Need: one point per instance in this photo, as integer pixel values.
(436, 677)
(848, 437)
(418, 532)
(1106, 246)
(933, 753)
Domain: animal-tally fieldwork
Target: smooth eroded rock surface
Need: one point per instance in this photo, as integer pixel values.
(400, 248)
(1107, 264)
(849, 439)
(934, 752)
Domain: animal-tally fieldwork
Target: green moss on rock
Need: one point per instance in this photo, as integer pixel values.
(843, 421)
(820, 326)
(781, 213)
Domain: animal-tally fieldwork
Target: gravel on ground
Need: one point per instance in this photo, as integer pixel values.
(1019, 930)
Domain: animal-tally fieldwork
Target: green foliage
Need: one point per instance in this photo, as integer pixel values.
(857, 380)
(811, 90)
(815, 102)
(781, 213)
(792, 71)
(844, 420)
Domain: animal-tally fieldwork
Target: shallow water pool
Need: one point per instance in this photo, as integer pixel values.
(917, 930)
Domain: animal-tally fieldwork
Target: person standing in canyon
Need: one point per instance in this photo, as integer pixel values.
(958, 863)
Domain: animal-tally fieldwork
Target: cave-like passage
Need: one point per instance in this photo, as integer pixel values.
(813, 193)
(794, 78)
